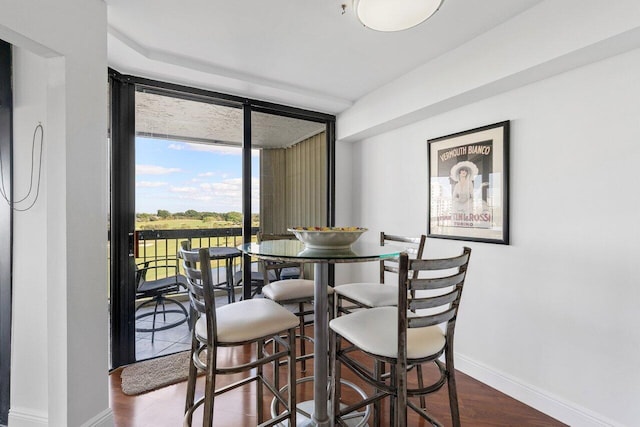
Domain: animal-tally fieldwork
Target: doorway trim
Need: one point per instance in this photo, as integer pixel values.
(6, 228)
(122, 218)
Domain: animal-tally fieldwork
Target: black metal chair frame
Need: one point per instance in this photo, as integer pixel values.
(156, 291)
(257, 280)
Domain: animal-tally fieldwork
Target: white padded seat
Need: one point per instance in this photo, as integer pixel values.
(233, 324)
(354, 296)
(375, 331)
(290, 290)
(370, 294)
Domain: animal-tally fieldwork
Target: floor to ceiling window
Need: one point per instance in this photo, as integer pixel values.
(188, 180)
(210, 169)
(293, 172)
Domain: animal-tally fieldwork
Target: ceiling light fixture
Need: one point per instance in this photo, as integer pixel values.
(394, 15)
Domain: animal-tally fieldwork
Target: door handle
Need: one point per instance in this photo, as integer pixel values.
(132, 245)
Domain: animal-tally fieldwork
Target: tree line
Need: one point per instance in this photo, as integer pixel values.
(163, 214)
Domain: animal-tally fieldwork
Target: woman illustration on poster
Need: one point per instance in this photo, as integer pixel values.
(463, 174)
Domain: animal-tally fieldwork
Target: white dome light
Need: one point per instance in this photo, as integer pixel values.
(394, 15)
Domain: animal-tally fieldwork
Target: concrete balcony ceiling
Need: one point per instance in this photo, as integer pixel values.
(193, 121)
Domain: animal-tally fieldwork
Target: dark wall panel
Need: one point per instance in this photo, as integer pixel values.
(6, 235)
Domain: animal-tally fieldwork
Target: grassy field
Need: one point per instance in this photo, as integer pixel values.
(185, 223)
(164, 251)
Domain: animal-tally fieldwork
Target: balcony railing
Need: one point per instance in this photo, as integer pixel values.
(160, 247)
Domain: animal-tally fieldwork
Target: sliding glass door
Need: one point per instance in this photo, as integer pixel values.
(293, 172)
(190, 165)
(188, 187)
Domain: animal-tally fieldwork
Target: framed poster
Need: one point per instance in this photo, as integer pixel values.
(468, 185)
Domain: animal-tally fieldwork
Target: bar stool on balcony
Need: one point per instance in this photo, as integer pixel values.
(154, 292)
(257, 279)
(220, 253)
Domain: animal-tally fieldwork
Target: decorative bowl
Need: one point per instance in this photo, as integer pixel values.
(327, 237)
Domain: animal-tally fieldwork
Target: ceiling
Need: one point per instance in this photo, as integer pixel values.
(177, 119)
(303, 53)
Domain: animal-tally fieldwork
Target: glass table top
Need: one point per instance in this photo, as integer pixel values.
(287, 250)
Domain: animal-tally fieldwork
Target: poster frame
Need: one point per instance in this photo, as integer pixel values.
(484, 215)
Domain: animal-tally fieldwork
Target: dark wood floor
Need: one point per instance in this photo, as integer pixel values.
(480, 405)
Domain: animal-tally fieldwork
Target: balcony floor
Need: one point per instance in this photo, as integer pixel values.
(172, 340)
(165, 342)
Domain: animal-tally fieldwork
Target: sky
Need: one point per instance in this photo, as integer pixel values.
(178, 176)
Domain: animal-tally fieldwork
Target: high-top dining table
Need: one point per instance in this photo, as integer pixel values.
(294, 250)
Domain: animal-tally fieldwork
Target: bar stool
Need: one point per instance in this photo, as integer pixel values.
(371, 294)
(245, 322)
(221, 253)
(292, 290)
(419, 330)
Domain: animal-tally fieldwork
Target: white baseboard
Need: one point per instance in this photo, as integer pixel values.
(562, 410)
(25, 417)
(103, 419)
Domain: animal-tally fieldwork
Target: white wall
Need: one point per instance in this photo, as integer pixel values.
(30, 93)
(59, 338)
(552, 318)
(553, 36)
